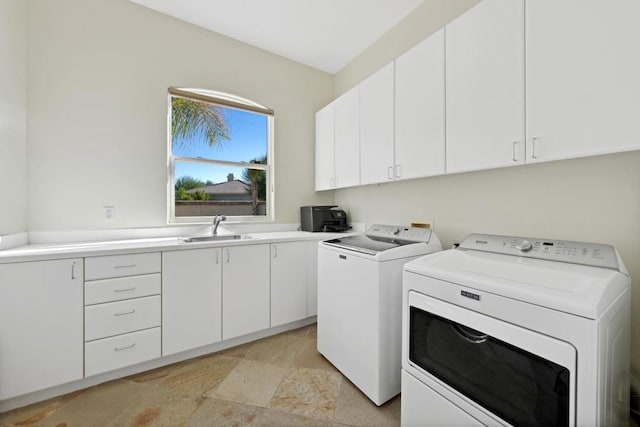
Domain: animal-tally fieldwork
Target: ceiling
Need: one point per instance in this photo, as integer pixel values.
(323, 34)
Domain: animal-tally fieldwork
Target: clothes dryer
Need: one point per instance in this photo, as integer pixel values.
(516, 331)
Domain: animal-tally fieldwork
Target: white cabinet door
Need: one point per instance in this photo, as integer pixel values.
(376, 127)
(324, 148)
(41, 338)
(289, 262)
(245, 290)
(485, 86)
(583, 90)
(347, 139)
(419, 110)
(191, 299)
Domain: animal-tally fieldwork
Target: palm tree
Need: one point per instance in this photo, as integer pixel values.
(191, 119)
(257, 180)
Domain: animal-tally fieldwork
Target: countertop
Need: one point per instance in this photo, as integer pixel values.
(60, 250)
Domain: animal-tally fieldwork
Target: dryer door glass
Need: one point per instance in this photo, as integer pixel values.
(518, 386)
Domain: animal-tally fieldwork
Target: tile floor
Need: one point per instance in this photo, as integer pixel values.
(277, 381)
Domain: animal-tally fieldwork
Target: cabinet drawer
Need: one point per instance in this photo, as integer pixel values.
(105, 267)
(113, 318)
(124, 350)
(107, 290)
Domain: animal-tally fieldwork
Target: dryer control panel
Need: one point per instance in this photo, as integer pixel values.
(592, 254)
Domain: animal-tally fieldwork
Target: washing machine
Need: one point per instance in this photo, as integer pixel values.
(516, 331)
(360, 303)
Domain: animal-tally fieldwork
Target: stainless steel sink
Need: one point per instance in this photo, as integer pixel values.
(215, 238)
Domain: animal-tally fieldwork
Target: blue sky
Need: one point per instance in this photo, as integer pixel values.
(247, 140)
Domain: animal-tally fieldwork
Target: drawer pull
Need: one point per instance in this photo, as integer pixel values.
(133, 288)
(125, 347)
(125, 313)
(125, 266)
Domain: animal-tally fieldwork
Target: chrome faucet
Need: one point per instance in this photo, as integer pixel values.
(216, 222)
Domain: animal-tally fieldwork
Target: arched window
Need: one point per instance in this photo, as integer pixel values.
(220, 157)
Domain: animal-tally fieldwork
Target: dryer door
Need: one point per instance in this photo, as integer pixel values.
(522, 377)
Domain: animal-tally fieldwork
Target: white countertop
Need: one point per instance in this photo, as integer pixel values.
(58, 250)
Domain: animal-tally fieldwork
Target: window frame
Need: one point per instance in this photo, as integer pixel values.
(224, 100)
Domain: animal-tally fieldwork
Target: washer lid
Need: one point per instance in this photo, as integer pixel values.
(380, 238)
(365, 244)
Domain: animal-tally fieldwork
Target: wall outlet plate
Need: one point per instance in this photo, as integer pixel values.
(110, 213)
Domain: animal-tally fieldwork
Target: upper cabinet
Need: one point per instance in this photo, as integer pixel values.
(376, 127)
(419, 110)
(507, 83)
(324, 149)
(402, 116)
(485, 87)
(346, 134)
(338, 143)
(583, 90)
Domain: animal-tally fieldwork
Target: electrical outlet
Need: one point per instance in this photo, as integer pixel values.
(109, 213)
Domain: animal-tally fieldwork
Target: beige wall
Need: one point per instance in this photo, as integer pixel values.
(590, 199)
(13, 124)
(427, 18)
(98, 76)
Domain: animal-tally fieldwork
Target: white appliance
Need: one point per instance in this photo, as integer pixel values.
(513, 331)
(360, 303)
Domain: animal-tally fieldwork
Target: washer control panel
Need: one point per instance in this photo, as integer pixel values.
(399, 232)
(593, 254)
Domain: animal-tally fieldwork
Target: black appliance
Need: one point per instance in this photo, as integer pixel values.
(323, 218)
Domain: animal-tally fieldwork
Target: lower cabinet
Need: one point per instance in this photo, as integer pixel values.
(312, 278)
(289, 276)
(40, 325)
(122, 313)
(62, 320)
(245, 290)
(220, 293)
(191, 299)
(122, 350)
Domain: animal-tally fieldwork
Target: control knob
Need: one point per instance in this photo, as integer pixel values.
(523, 245)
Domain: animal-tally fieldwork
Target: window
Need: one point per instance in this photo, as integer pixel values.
(220, 157)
